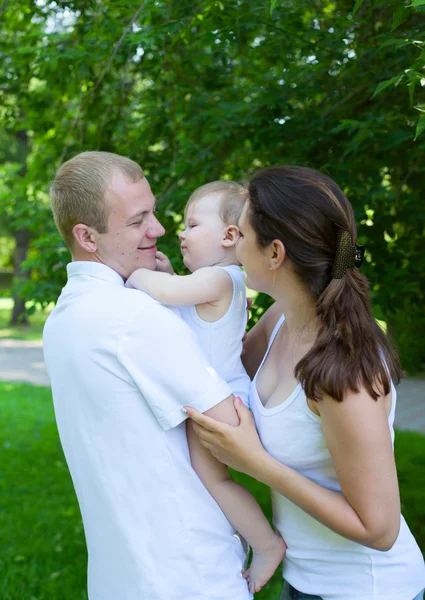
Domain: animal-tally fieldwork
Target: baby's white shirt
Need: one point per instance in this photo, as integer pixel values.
(221, 340)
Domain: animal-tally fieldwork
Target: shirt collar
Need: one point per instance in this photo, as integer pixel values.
(94, 269)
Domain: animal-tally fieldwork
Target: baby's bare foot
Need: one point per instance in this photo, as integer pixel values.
(264, 563)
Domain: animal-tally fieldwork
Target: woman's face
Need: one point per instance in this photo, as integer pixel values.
(252, 256)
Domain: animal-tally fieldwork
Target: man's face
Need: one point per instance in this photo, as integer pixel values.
(133, 229)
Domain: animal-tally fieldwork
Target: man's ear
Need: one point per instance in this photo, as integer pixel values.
(277, 253)
(84, 237)
(231, 236)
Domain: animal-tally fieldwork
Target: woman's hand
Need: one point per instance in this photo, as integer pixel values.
(238, 447)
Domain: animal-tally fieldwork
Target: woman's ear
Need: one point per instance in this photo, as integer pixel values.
(231, 236)
(84, 237)
(277, 253)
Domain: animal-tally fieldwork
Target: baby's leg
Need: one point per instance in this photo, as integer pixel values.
(243, 512)
(246, 516)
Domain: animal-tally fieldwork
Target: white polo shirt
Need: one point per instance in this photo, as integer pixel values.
(121, 367)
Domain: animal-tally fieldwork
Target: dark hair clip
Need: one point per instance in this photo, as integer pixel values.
(348, 255)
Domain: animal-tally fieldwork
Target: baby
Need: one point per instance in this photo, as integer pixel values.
(212, 301)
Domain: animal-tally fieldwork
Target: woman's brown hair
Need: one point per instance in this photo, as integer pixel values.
(306, 210)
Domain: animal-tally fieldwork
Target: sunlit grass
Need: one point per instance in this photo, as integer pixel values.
(33, 331)
(43, 555)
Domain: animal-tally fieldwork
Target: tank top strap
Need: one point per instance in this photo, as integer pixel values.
(271, 340)
(275, 331)
(235, 272)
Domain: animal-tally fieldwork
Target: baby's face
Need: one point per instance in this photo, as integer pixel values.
(204, 232)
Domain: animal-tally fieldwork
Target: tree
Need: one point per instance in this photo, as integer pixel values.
(207, 90)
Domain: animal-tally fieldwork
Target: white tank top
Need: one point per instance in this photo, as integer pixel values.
(318, 560)
(222, 340)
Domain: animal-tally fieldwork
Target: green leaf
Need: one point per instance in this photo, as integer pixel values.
(420, 127)
(416, 3)
(274, 4)
(384, 84)
(394, 42)
(399, 16)
(357, 6)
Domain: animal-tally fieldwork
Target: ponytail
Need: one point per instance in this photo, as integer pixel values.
(351, 350)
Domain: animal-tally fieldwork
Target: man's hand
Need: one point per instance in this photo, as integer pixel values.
(163, 263)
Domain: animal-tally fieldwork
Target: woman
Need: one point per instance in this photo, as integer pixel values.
(322, 397)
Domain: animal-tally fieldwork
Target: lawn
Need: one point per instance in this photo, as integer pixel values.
(33, 331)
(43, 550)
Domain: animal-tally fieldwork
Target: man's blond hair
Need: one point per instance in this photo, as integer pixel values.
(231, 195)
(78, 191)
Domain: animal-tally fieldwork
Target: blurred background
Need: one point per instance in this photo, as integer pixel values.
(195, 91)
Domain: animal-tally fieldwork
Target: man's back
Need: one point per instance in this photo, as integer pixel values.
(121, 367)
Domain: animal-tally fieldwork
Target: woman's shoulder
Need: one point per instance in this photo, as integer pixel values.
(258, 339)
(271, 319)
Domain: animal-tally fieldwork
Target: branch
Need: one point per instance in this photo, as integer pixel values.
(329, 110)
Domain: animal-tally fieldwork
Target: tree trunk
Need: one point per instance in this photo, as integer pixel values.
(22, 239)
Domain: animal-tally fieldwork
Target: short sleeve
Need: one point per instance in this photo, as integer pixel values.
(166, 363)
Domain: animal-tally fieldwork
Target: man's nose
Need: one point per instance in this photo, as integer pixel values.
(156, 230)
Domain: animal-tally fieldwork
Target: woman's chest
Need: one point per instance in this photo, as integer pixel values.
(275, 380)
(291, 433)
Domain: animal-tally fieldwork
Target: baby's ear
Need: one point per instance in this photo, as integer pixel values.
(231, 236)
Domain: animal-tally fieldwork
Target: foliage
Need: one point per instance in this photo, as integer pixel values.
(196, 91)
(6, 250)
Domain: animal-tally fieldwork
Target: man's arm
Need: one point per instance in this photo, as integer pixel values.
(204, 285)
(163, 359)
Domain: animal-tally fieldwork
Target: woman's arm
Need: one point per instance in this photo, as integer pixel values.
(358, 438)
(257, 340)
(204, 285)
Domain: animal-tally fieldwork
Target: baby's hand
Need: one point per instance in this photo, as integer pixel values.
(163, 263)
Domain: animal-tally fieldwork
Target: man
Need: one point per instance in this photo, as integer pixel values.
(122, 366)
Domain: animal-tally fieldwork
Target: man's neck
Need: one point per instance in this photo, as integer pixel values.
(81, 256)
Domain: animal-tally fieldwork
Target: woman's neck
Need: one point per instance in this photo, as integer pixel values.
(299, 309)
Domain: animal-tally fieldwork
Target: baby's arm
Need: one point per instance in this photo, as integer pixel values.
(241, 509)
(204, 285)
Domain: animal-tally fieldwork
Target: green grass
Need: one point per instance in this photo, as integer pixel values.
(43, 554)
(33, 331)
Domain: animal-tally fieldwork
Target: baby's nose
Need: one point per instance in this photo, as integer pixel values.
(182, 235)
